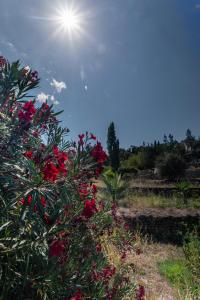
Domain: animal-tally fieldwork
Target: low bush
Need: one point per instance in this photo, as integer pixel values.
(171, 167)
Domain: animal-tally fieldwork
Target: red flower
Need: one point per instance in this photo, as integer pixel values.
(27, 112)
(2, 62)
(57, 248)
(55, 151)
(45, 107)
(141, 293)
(98, 171)
(28, 154)
(29, 107)
(92, 136)
(81, 137)
(98, 153)
(89, 208)
(24, 116)
(26, 202)
(94, 189)
(61, 157)
(43, 201)
(46, 219)
(29, 199)
(83, 190)
(50, 172)
(108, 272)
(78, 296)
(98, 248)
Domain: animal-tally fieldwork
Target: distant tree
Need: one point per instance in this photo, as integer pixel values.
(165, 140)
(189, 136)
(171, 138)
(113, 147)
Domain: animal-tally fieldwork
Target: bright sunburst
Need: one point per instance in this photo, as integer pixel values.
(69, 20)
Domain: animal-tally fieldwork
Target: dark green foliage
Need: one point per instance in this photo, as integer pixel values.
(113, 147)
(171, 166)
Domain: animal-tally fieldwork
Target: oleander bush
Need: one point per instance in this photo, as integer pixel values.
(51, 222)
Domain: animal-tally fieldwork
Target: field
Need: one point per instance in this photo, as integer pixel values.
(166, 232)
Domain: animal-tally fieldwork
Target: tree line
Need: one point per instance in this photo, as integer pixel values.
(170, 158)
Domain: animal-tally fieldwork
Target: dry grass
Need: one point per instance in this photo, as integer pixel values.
(146, 268)
(136, 200)
(142, 264)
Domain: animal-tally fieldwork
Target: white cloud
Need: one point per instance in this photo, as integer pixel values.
(42, 97)
(58, 85)
(55, 102)
(86, 88)
(197, 6)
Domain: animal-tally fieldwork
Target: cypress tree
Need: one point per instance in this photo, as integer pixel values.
(113, 147)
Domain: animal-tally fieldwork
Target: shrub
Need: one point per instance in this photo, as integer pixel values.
(171, 166)
(114, 185)
(183, 190)
(51, 221)
(141, 161)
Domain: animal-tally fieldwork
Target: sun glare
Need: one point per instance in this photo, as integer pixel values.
(69, 21)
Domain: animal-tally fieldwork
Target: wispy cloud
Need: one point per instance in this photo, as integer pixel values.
(55, 102)
(58, 85)
(42, 97)
(10, 47)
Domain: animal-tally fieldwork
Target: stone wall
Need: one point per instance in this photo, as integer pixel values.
(169, 225)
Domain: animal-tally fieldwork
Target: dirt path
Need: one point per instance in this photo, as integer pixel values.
(146, 267)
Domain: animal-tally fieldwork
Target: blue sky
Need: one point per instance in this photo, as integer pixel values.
(134, 62)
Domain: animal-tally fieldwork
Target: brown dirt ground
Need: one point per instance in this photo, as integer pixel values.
(146, 270)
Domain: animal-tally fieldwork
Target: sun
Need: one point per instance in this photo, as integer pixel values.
(69, 20)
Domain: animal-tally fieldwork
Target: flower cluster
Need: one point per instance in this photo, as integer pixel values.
(99, 154)
(105, 274)
(89, 208)
(27, 112)
(52, 170)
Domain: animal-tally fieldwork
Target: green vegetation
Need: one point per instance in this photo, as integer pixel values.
(184, 274)
(183, 190)
(114, 186)
(169, 159)
(137, 200)
(171, 166)
(175, 271)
